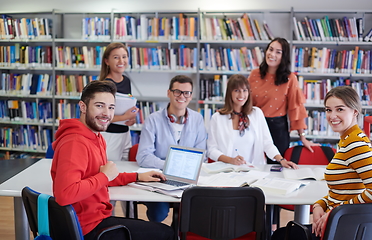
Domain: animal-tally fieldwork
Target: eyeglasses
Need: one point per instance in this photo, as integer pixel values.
(178, 93)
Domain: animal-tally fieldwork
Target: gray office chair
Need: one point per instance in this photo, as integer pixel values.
(63, 222)
(348, 221)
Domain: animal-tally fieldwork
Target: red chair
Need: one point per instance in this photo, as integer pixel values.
(367, 125)
(300, 155)
(133, 153)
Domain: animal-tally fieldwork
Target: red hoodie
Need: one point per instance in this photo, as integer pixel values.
(78, 155)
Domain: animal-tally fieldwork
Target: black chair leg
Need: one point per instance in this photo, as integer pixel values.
(276, 216)
(175, 219)
(269, 220)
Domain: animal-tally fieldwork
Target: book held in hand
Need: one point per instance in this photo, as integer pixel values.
(219, 166)
(305, 173)
(123, 103)
(278, 186)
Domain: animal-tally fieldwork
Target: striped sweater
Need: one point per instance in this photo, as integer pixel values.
(349, 174)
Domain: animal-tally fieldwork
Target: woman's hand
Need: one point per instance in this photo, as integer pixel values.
(308, 144)
(319, 225)
(131, 113)
(130, 122)
(238, 160)
(288, 164)
(318, 212)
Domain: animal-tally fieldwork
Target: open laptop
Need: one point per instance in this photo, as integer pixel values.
(182, 167)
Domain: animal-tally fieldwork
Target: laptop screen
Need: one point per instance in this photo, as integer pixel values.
(184, 162)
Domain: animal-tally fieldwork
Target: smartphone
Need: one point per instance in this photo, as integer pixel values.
(276, 168)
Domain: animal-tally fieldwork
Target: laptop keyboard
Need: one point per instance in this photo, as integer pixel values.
(174, 183)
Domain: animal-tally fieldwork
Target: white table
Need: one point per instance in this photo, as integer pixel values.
(37, 177)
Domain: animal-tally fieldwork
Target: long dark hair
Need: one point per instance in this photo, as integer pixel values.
(283, 71)
(236, 81)
(105, 70)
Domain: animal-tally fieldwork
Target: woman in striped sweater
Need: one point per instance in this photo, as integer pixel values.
(349, 174)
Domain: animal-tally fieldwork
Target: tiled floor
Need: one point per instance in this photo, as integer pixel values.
(7, 222)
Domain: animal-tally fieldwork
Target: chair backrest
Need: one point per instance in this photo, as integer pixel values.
(367, 125)
(63, 222)
(349, 221)
(222, 213)
(50, 152)
(322, 155)
(133, 153)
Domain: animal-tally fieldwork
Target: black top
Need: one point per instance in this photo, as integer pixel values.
(125, 88)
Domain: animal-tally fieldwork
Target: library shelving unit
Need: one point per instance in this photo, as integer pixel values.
(331, 49)
(26, 118)
(207, 46)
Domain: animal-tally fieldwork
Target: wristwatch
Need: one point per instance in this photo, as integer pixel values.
(302, 134)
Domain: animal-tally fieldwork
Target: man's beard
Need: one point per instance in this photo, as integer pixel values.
(91, 122)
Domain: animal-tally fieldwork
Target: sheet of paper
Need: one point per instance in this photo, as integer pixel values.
(123, 103)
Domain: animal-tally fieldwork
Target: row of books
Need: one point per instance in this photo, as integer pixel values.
(26, 111)
(316, 90)
(25, 56)
(326, 60)
(146, 108)
(96, 28)
(79, 57)
(230, 59)
(242, 28)
(25, 28)
(317, 124)
(331, 29)
(25, 137)
(145, 28)
(67, 110)
(135, 137)
(41, 84)
(36, 112)
(159, 58)
(6, 155)
(213, 89)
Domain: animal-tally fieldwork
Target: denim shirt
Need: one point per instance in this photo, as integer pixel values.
(157, 136)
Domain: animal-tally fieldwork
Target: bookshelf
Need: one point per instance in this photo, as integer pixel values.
(200, 48)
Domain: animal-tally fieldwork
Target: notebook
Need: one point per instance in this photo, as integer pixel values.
(182, 167)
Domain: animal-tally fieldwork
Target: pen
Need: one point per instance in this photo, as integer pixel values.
(236, 150)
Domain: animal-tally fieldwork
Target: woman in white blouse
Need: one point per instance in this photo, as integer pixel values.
(238, 133)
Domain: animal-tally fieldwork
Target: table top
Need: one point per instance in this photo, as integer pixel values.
(37, 177)
(9, 168)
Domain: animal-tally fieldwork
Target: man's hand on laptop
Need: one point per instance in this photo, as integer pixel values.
(151, 176)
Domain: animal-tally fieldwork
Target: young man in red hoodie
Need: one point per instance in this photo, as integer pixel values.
(81, 173)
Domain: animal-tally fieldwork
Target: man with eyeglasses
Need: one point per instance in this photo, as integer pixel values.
(174, 125)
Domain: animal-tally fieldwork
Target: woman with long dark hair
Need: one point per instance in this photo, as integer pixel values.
(275, 90)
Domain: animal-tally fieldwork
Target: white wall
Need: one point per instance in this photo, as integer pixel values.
(7, 6)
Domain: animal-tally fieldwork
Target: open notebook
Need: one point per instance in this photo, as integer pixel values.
(182, 167)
